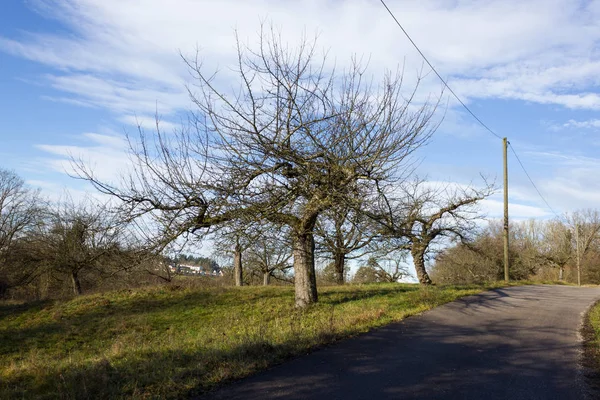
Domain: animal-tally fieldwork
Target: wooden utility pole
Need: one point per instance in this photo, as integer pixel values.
(506, 260)
(578, 256)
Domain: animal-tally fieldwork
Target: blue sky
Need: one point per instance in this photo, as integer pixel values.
(76, 75)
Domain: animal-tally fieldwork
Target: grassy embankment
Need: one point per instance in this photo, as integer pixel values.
(591, 342)
(172, 342)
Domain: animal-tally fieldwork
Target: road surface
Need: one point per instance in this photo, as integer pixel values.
(514, 343)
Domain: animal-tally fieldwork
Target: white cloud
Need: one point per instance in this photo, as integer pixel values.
(57, 193)
(571, 181)
(119, 96)
(588, 124)
(105, 155)
(148, 122)
(495, 208)
(124, 57)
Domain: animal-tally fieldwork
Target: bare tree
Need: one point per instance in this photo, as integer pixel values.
(292, 142)
(391, 267)
(423, 213)
(527, 241)
(21, 209)
(556, 246)
(365, 274)
(234, 238)
(344, 233)
(270, 255)
(586, 227)
(80, 238)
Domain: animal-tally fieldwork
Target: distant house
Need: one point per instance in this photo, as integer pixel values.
(187, 269)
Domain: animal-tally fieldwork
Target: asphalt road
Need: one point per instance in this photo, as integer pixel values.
(515, 343)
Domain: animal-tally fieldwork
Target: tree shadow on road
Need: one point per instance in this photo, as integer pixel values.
(437, 357)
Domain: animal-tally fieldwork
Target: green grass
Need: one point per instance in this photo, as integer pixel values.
(591, 347)
(594, 321)
(171, 342)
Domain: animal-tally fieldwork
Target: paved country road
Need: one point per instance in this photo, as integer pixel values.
(514, 343)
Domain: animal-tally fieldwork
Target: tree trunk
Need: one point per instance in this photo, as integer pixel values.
(561, 273)
(305, 281)
(237, 266)
(339, 260)
(76, 283)
(266, 278)
(418, 255)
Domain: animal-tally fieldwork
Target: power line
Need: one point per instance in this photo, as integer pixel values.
(438, 75)
(466, 107)
(531, 180)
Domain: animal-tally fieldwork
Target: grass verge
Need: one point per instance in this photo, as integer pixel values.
(590, 333)
(173, 342)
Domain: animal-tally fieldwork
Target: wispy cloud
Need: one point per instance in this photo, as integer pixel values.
(149, 122)
(105, 155)
(495, 209)
(125, 58)
(588, 124)
(117, 56)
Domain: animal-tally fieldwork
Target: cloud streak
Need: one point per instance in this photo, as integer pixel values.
(117, 56)
(125, 58)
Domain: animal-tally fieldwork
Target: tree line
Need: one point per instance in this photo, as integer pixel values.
(562, 249)
(50, 249)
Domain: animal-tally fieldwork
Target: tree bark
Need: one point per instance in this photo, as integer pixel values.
(76, 284)
(561, 273)
(339, 260)
(418, 255)
(305, 281)
(237, 266)
(266, 278)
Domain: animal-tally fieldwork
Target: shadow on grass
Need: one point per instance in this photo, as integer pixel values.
(340, 297)
(192, 371)
(9, 309)
(158, 374)
(470, 366)
(64, 329)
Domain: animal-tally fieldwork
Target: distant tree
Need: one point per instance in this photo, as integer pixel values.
(235, 237)
(344, 233)
(475, 262)
(421, 213)
(365, 274)
(527, 245)
(585, 225)
(21, 211)
(81, 238)
(327, 273)
(270, 255)
(481, 259)
(391, 267)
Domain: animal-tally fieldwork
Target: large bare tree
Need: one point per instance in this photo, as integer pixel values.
(293, 140)
(419, 214)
